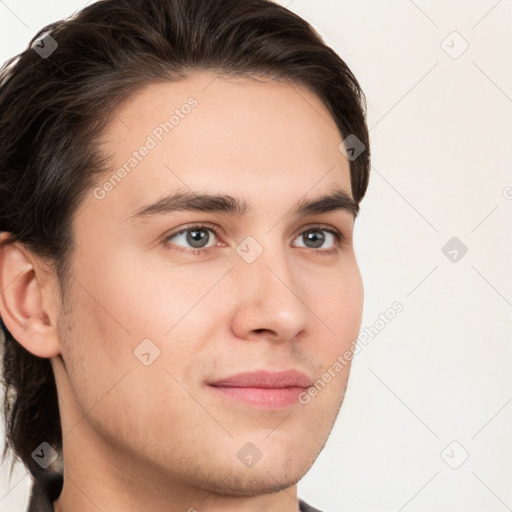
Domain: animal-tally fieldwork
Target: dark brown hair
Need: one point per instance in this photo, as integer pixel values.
(54, 107)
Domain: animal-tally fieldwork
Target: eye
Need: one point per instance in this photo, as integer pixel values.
(196, 237)
(315, 238)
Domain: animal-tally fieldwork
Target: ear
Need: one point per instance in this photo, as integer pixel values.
(28, 302)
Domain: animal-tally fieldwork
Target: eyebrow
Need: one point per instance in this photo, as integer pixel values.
(337, 199)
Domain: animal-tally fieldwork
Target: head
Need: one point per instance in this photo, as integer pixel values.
(115, 318)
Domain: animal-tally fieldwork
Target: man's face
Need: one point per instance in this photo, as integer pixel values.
(275, 301)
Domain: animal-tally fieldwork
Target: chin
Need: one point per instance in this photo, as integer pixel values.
(245, 484)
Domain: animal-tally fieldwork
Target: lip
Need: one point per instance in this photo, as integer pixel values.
(263, 389)
(266, 379)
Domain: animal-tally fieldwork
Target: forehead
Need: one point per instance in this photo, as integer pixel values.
(218, 134)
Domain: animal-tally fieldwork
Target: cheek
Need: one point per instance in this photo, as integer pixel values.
(138, 301)
(99, 337)
(137, 295)
(339, 305)
(163, 298)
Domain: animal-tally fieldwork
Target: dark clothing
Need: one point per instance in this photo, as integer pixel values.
(304, 507)
(47, 488)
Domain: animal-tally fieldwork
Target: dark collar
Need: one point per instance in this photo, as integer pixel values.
(48, 486)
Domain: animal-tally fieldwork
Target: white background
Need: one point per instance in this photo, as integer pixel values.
(439, 372)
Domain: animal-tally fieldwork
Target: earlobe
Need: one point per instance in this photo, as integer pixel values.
(21, 304)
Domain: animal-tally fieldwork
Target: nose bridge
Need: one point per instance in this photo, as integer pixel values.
(264, 263)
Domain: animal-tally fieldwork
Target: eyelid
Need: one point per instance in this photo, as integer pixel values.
(341, 239)
(324, 227)
(198, 225)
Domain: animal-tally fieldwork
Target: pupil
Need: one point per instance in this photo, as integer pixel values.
(317, 237)
(196, 236)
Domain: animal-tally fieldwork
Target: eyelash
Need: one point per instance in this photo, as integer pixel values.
(340, 239)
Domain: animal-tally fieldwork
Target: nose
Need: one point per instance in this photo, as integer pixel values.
(269, 302)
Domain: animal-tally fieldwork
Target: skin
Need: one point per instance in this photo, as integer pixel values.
(156, 437)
